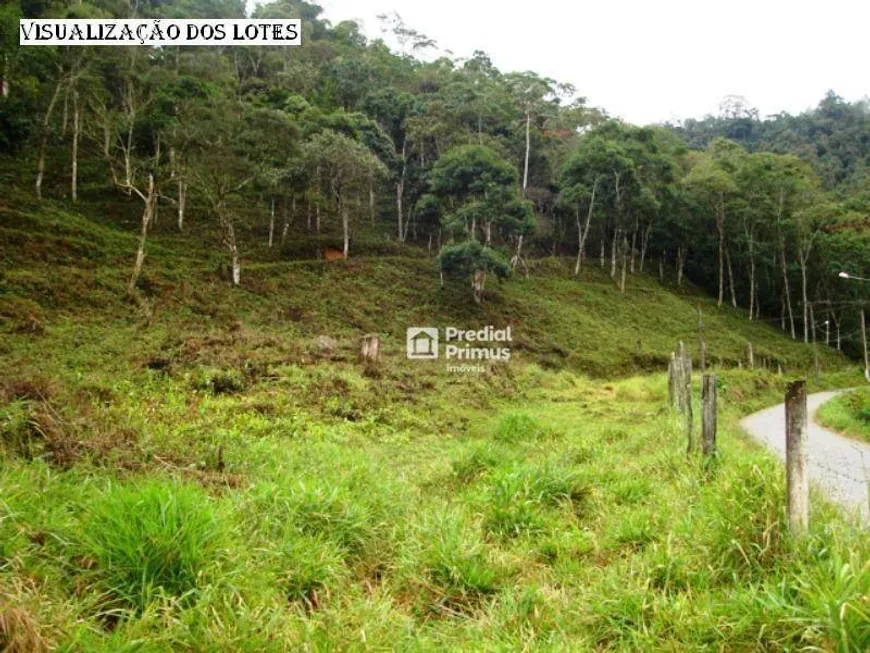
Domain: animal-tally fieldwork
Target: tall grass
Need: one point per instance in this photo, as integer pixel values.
(151, 539)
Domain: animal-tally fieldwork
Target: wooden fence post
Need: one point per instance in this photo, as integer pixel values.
(708, 415)
(796, 457)
(686, 379)
(370, 352)
(750, 357)
(679, 374)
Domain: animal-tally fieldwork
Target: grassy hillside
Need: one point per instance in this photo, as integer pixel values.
(198, 470)
(62, 267)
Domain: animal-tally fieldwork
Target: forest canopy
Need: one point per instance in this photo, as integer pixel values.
(347, 139)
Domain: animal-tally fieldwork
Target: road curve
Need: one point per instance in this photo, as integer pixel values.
(838, 465)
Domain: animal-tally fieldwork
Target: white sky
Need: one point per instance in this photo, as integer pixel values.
(655, 60)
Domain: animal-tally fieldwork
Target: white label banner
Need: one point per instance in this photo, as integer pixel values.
(161, 32)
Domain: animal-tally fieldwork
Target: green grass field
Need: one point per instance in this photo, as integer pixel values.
(195, 470)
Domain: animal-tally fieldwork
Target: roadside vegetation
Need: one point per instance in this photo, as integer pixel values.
(848, 413)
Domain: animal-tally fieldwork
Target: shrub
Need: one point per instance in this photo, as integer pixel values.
(150, 539)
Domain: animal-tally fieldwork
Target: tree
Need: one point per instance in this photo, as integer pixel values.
(471, 260)
(480, 193)
(344, 166)
(712, 186)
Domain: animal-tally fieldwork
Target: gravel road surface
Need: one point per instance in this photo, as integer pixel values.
(838, 465)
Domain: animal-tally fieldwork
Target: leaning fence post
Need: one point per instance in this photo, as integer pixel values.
(796, 456)
(708, 415)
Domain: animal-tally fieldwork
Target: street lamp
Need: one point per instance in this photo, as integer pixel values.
(852, 277)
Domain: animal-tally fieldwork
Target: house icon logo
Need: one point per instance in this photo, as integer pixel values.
(422, 343)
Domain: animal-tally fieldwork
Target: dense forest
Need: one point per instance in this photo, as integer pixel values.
(344, 141)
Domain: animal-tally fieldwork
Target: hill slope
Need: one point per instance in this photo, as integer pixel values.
(60, 264)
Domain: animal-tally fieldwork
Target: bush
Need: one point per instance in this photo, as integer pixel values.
(151, 539)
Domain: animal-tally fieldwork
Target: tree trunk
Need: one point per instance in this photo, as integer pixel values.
(644, 244)
(308, 214)
(583, 232)
(803, 263)
(519, 252)
(272, 222)
(345, 227)
(147, 214)
(237, 267)
(231, 243)
(400, 191)
(288, 218)
(182, 202)
(681, 263)
(613, 245)
(4, 77)
(720, 230)
(43, 139)
(731, 279)
(528, 147)
(624, 261)
(477, 281)
(74, 190)
(785, 290)
(752, 292)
